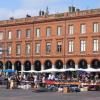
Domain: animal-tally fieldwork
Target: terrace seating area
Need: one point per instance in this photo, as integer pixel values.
(65, 82)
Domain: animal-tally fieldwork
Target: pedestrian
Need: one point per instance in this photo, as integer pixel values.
(8, 83)
(11, 84)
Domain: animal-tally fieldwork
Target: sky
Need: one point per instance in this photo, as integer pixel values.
(19, 8)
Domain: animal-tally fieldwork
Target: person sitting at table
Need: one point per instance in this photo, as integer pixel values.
(36, 81)
(52, 77)
(8, 83)
(49, 77)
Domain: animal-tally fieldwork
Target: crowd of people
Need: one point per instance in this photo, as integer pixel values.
(15, 80)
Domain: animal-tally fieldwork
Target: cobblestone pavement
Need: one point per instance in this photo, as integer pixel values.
(18, 94)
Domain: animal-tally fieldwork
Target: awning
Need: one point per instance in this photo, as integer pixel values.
(9, 70)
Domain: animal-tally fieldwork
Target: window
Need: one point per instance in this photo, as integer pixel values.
(70, 46)
(71, 29)
(59, 30)
(95, 27)
(18, 49)
(83, 28)
(18, 34)
(48, 31)
(95, 45)
(37, 49)
(48, 47)
(28, 49)
(59, 47)
(1, 35)
(9, 35)
(28, 33)
(83, 46)
(9, 49)
(37, 32)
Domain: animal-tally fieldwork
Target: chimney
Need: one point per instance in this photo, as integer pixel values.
(71, 9)
(41, 13)
(27, 16)
(77, 10)
(11, 18)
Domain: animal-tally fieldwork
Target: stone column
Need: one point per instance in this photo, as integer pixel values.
(76, 66)
(13, 67)
(53, 66)
(4, 67)
(42, 67)
(22, 69)
(88, 66)
(64, 66)
(32, 67)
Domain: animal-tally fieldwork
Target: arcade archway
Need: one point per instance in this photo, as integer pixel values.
(17, 65)
(82, 64)
(47, 64)
(70, 64)
(8, 65)
(58, 64)
(37, 65)
(27, 65)
(95, 64)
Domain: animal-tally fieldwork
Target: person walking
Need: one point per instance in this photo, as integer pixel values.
(11, 84)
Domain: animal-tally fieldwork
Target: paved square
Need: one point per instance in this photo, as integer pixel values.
(19, 94)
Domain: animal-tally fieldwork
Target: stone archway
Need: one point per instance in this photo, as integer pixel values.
(95, 63)
(70, 64)
(58, 64)
(47, 64)
(27, 65)
(8, 65)
(82, 64)
(37, 65)
(17, 65)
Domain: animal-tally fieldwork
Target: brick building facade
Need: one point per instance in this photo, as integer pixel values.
(64, 40)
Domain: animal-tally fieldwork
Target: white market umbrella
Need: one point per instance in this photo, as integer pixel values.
(91, 70)
(33, 71)
(22, 71)
(81, 69)
(62, 70)
(98, 70)
(57, 70)
(70, 69)
(30, 71)
(50, 70)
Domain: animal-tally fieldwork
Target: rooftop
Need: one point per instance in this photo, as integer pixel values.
(49, 17)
